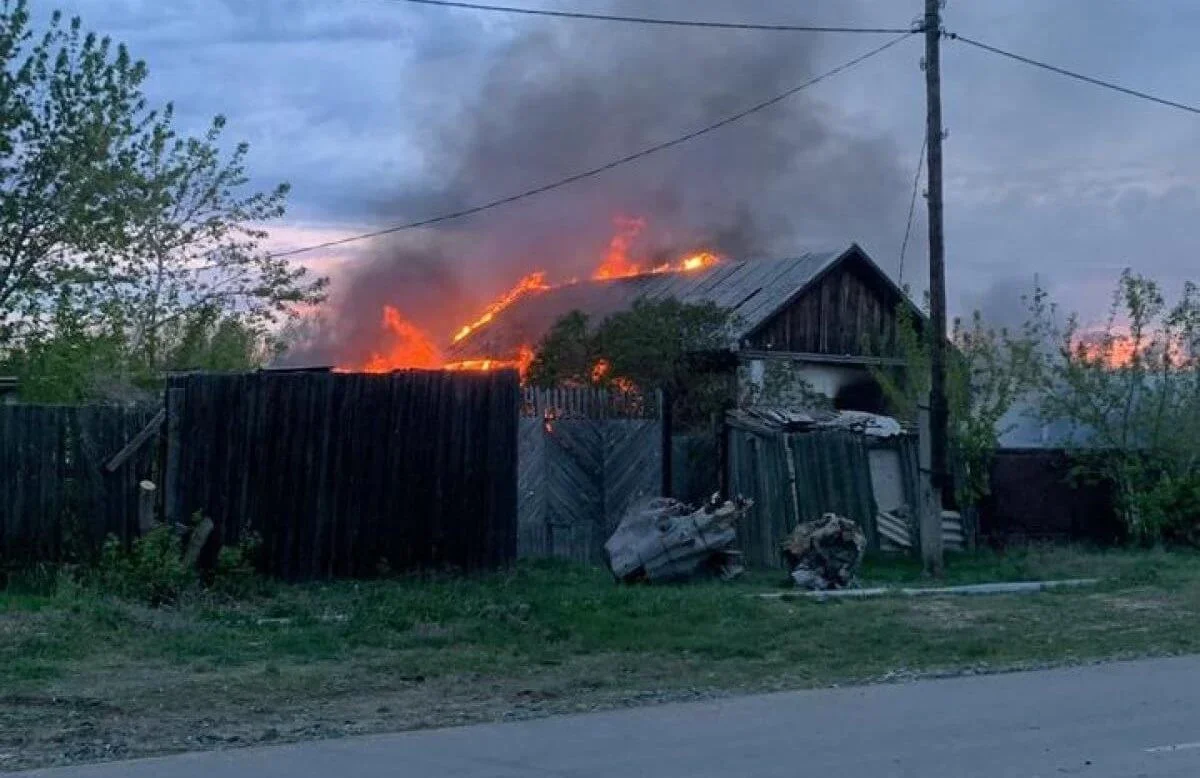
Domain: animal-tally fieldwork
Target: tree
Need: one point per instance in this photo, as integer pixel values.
(568, 354)
(656, 344)
(1131, 394)
(988, 371)
(198, 253)
(72, 116)
(114, 223)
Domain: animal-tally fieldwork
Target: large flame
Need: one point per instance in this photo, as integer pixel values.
(617, 263)
(534, 282)
(407, 346)
(410, 347)
(521, 363)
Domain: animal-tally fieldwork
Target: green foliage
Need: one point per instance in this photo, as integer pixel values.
(988, 370)
(71, 118)
(126, 248)
(1131, 390)
(567, 354)
(152, 572)
(660, 344)
(68, 363)
(236, 573)
(1168, 509)
(208, 340)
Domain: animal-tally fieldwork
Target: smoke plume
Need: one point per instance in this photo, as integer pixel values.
(561, 97)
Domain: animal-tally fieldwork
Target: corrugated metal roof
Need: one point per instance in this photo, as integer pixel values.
(754, 290)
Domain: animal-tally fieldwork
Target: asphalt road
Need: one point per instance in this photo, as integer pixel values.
(1105, 721)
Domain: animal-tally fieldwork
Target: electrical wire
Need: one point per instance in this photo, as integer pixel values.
(1072, 74)
(912, 207)
(655, 21)
(605, 167)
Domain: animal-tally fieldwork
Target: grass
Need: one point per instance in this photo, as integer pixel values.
(88, 677)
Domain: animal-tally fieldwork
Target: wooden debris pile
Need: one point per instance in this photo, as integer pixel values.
(826, 553)
(667, 540)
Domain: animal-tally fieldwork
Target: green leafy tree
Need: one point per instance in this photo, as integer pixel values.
(115, 231)
(987, 372)
(1131, 393)
(72, 117)
(198, 252)
(656, 344)
(70, 362)
(567, 355)
(208, 340)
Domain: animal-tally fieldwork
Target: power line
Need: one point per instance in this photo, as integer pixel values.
(912, 206)
(602, 168)
(1072, 74)
(656, 21)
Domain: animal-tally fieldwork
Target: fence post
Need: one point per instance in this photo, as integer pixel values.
(171, 481)
(146, 494)
(930, 507)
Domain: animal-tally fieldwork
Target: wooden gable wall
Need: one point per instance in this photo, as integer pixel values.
(850, 311)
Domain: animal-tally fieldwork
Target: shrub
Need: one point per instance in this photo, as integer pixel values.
(152, 572)
(236, 574)
(1168, 510)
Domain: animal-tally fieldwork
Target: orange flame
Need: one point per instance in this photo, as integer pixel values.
(617, 263)
(521, 363)
(534, 282)
(409, 346)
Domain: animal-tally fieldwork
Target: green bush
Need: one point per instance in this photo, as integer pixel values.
(236, 574)
(1168, 510)
(151, 572)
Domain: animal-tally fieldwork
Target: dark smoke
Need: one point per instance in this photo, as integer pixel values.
(561, 97)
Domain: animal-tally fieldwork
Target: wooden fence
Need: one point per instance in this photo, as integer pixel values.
(585, 456)
(58, 500)
(1034, 497)
(344, 474)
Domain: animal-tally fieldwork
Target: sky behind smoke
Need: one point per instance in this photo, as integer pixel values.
(379, 112)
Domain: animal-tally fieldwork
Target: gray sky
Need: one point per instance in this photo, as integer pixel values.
(349, 101)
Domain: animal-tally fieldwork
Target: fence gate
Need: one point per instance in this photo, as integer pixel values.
(584, 457)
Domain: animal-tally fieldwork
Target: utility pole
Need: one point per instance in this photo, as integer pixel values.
(938, 411)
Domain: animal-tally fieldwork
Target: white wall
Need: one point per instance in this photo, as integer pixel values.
(783, 382)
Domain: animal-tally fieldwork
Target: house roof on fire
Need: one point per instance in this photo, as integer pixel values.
(753, 290)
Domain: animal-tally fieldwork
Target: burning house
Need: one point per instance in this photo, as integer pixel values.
(816, 322)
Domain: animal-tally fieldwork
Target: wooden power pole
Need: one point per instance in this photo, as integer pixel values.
(938, 410)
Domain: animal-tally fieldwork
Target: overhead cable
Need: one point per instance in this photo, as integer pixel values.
(1072, 74)
(625, 160)
(659, 21)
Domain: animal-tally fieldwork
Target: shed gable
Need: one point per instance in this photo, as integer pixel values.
(850, 310)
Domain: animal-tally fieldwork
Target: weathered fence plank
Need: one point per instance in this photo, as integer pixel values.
(343, 474)
(795, 477)
(58, 501)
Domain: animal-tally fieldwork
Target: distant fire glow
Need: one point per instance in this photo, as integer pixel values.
(1120, 349)
(407, 346)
